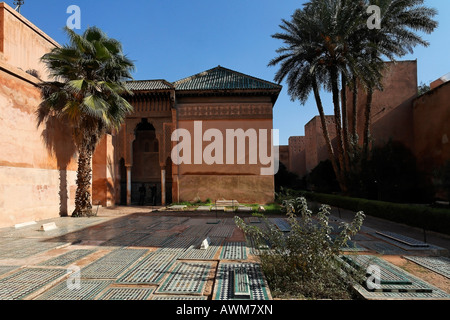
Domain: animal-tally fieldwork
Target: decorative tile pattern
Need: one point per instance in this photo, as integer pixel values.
(24, 282)
(67, 258)
(152, 241)
(198, 231)
(113, 264)
(176, 297)
(87, 290)
(225, 284)
(382, 247)
(186, 278)
(151, 269)
(403, 239)
(234, 251)
(281, 224)
(388, 274)
(439, 265)
(204, 254)
(6, 269)
(126, 293)
(223, 231)
(23, 248)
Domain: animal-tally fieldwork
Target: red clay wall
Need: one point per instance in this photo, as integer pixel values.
(432, 128)
(37, 165)
(392, 107)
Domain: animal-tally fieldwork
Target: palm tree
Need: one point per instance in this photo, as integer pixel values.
(320, 49)
(86, 92)
(400, 22)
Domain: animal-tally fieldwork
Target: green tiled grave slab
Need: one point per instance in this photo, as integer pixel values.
(179, 244)
(23, 248)
(199, 231)
(196, 253)
(255, 246)
(151, 269)
(281, 224)
(87, 290)
(176, 297)
(403, 239)
(113, 264)
(6, 269)
(223, 231)
(419, 289)
(152, 241)
(24, 282)
(389, 275)
(234, 251)
(428, 247)
(125, 293)
(225, 284)
(186, 278)
(67, 258)
(382, 247)
(124, 240)
(353, 246)
(439, 265)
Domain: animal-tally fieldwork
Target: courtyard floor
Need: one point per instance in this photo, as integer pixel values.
(139, 253)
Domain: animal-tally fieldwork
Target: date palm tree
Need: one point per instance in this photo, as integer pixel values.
(320, 49)
(328, 45)
(86, 92)
(401, 20)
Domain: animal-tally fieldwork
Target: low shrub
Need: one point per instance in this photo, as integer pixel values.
(303, 263)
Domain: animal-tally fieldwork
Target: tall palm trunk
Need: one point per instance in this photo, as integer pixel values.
(367, 122)
(83, 206)
(345, 130)
(355, 111)
(338, 125)
(326, 135)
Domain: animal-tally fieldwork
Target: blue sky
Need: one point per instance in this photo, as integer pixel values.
(173, 39)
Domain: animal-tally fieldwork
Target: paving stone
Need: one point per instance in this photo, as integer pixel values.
(225, 286)
(87, 290)
(27, 281)
(186, 278)
(126, 293)
(203, 208)
(67, 258)
(234, 251)
(439, 265)
(151, 269)
(113, 264)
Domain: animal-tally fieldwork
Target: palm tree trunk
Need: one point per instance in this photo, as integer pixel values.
(83, 206)
(355, 112)
(326, 135)
(367, 122)
(338, 124)
(346, 134)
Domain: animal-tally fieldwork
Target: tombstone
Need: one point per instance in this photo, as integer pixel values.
(205, 244)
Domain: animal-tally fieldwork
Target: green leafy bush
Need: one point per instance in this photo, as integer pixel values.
(302, 263)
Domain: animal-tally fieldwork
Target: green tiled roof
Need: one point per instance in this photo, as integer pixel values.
(148, 85)
(220, 78)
